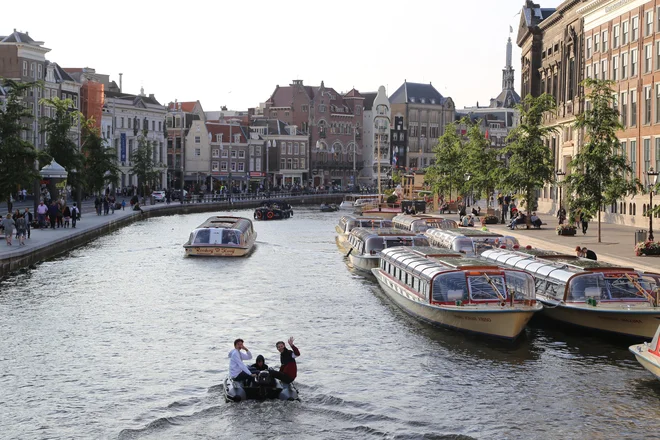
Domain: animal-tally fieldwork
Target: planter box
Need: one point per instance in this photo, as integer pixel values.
(566, 233)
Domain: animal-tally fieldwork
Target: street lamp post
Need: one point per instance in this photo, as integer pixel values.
(653, 175)
(269, 145)
(560, 177)
(467, 176)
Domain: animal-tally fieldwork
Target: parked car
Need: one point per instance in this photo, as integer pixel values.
(158, 196)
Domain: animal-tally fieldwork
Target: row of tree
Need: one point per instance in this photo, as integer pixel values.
(596, 176)
(91, 167)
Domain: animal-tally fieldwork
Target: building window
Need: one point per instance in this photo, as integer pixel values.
(624, 109)
(40, 71)
(302, 163)
(633, 108)
(198, 152)
(289, 164)
(624, 33)
(588, 48)
(648, 58)
(241, 154)
(233, 154)
(296, 148)
(358, 109)
(282, 164)
(215, 153)
(295, 164)
(615, 36)
(215, 166)
(232, 166)
(198, 139)
(596, 43)
(587, 72)
(624, 65)
(657, 103)
(290, 148)
(635, 28)
(647, 105)
(218, 138)
(647, 154)
(224, 154)
(615, 68)
(160, 125)
(321, 108)
(25, 68)
(122, 122)
(648, 29)
(304, 108)
(257, 164)
(624, 152)
(633, 156)
(657, 153)
(603, 69)
(241, 166)
(633, 63)
(223, 166)
(605, 47)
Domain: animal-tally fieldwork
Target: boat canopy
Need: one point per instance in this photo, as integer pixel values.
(221, 231)
(421, 223)
(371, 241)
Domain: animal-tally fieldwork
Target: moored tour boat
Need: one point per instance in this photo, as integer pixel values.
(366, 244)
(420, 223)
(348, 222)
(447, 289)
(222, 236)
(329, 208)
(351, 200)
(469, 241)
(586, 293)
(649, 354)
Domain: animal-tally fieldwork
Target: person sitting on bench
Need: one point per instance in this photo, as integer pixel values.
(536, 221)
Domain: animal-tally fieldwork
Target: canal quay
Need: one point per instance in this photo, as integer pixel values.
(125, 338)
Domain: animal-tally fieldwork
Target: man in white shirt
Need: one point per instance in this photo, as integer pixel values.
(237, 369)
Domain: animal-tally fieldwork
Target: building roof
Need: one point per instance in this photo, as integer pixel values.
(60, 74)
(507, 98)
(353, 94)
(135, 98)
(215, 128)
(20, 37)
(185, 106)
(417, 93)
(275, 126)
(369, 100)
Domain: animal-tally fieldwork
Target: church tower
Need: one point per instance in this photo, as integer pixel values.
(508, 97)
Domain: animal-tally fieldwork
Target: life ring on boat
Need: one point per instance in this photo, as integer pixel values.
(270, 215)
(257, 215)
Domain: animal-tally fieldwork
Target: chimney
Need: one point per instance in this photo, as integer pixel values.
(151, 95)
(120, 81)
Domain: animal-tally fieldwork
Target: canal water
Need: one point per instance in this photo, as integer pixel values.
(125, 338)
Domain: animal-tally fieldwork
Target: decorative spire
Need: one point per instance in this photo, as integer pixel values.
(508, 53)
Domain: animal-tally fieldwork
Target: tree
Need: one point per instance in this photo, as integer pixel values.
(446, 173)
(598, 170)
(61, 145)
(17, 156)
(99, 161)
(531, 164)
(143, 164)
(480, 160)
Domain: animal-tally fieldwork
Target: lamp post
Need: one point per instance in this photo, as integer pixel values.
(231, 124)
(269, 145)
(560, 178)
(467, 176)
(653, 175)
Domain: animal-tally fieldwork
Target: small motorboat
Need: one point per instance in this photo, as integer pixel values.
(273, 210)
(329, 208)
(649, 354)
(263, 387)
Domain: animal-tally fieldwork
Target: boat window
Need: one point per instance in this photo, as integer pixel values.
(588, 285)
(520, 284)
(540, 285)
(230, 236)
(554, 290)
(450, 286)
(486, 287)
(464, 245)
(203, 236)
(623, 288)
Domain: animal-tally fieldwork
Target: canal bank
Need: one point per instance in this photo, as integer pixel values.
(49, 243)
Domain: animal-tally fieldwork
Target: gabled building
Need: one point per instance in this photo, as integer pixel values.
(425, 114)
(229, 154)
(180, 116)
(376, 136)
(333, 122)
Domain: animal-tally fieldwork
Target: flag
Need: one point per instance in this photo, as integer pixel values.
(394, 160)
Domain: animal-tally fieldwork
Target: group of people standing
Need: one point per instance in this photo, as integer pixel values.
(57, 214)
(105, 204)
(239, 371)
(18, 221)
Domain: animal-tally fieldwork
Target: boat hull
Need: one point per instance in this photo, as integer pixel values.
(628, 322)
(363, 263)
(500, 322)
(218, 251)
(646, 359)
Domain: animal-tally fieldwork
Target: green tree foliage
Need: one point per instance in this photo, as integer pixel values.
(598, 170)
(99, 162)
(480, 160)
(446, 174)
(62, 145)
(531, 164)
(144, 165)
(17, 156)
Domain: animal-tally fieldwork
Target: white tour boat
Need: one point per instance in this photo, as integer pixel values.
(420, 223)
(468, 240)
(366, 244)
(221, 236)
(649, 354)
(587, 293)
(454, 291)
(348, 222)
(350, 200)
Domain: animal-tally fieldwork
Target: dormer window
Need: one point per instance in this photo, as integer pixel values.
(422, 100)
(432, 100)
(237, 138)
(412, 99)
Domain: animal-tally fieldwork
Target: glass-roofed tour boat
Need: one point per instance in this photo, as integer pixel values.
(221, 236)
(446, 288)
(586, 293)
(349, 222)
(366, 244)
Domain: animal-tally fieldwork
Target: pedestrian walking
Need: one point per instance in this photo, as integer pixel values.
(8, 225)
(584, 219)
(106, 205)
(67, 216)
(75, 214)
(27, 215)
(42, 210)
(20, 230)
(123, 205)
(52, 214)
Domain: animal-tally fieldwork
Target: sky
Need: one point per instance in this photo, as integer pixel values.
(235, 53)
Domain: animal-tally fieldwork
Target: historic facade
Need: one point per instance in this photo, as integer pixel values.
(425, 114)
(179, 119)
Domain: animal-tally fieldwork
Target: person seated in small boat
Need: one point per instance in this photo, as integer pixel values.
(260, 364)
(288, 369)
(237, 368)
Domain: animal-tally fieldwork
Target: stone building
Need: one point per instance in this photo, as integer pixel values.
(376, 136)
(179, 119)
(229, 153)
(425, 114)
(552, 62)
